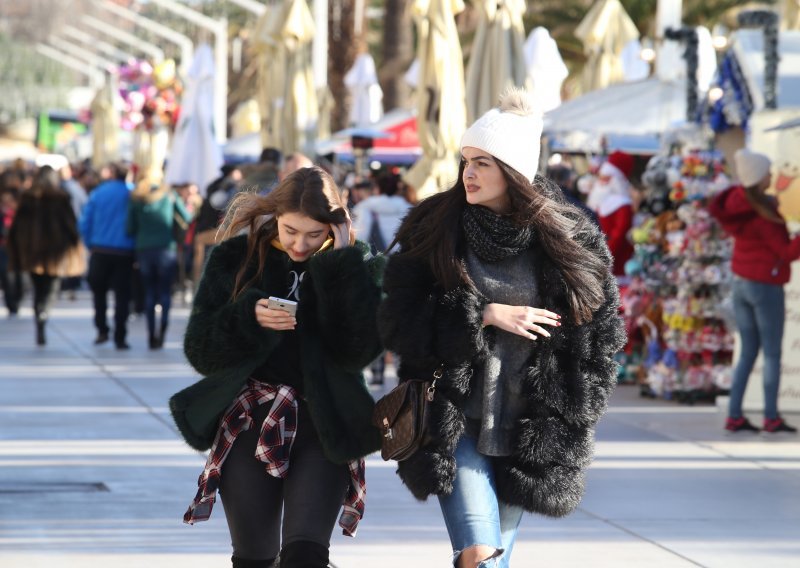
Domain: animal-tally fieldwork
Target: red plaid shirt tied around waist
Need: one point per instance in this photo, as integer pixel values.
(274, 447)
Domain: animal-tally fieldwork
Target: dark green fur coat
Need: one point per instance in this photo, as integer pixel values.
(336, 326)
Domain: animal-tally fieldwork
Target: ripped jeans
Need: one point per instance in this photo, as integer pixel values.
(472, 512)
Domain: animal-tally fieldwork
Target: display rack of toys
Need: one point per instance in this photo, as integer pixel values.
(677, 307)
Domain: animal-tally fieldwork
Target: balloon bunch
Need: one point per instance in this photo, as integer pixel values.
(150, 94)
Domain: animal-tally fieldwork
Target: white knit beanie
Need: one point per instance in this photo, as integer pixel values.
(751, 167)
(511, 132)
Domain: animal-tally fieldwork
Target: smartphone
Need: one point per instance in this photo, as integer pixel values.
(287, 306)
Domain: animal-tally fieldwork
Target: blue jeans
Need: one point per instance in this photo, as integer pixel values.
(472, 512)
(158, 268)
(759, 311)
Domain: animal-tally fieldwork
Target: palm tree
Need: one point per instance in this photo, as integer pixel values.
(343, 47)
(396, 54)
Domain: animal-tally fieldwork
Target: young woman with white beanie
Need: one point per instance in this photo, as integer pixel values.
(507, 288)
(762, 253)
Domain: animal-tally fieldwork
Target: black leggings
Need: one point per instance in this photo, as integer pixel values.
(311, 495)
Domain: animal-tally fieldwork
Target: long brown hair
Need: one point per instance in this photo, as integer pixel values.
(432, 232)
(762, 204)
(309, 191)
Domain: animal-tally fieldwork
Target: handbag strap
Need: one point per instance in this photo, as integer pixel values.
(437, 374)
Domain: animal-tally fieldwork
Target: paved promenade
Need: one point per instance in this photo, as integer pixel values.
(93, 474)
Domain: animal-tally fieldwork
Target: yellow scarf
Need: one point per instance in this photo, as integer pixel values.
(327, 244)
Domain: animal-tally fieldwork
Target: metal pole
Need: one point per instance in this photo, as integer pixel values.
(220, 30)
(182, 41)
(121, 35)
(251, 6)
(85, 54)
(96, 77)
(92, 42)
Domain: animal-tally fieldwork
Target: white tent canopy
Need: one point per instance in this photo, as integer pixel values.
(641, 109)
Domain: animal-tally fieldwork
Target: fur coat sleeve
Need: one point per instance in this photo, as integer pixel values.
(569, 378)
(346, 288)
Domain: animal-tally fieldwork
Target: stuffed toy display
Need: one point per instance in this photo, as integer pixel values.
(678, 307)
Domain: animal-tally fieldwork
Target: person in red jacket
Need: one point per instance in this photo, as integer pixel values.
(611, 200)
(762, 253)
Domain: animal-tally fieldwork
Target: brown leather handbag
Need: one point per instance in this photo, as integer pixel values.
(402, 416)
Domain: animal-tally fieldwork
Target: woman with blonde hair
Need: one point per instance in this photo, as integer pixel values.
(283, 322)
(151, 214)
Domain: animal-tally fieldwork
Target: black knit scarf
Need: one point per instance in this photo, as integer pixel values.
(491, 236)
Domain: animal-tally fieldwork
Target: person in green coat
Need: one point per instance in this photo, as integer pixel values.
(283, 405)
(152, 210)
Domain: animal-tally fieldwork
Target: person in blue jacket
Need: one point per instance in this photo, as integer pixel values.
(111, 263)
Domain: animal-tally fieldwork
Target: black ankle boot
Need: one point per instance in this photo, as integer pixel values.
(40, 336)
(162, 335)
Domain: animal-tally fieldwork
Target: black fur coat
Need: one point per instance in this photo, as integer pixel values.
(568, 380)
(337, 332)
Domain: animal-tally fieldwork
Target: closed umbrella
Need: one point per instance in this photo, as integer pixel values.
(294, 110)
(105, 124)
(440, 96)
(605, 31)
(497, 60)
(362, 82)
(546, 68)
(790, 14)
(195, 156)
(270, 76)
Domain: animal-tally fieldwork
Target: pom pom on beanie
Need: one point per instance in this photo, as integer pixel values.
(510, 132)
(751, 167)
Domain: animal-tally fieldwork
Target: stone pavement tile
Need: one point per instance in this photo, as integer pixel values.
(728, 543)
(94, 422)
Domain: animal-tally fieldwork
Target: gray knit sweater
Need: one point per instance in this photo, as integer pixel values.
(496, 401)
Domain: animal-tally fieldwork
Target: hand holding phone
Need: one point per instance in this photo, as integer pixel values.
(276, 313)
(288, 306)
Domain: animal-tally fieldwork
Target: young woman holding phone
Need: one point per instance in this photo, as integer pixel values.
(283, 405)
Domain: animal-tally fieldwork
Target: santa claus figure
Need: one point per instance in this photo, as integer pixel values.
(610, 198)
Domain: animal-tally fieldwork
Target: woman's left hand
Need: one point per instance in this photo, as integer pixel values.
(341, 233)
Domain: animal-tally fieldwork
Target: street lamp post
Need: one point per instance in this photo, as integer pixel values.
(77, 51)
(91, 41)
(120, 35)
(96, 77)
(183, 42)
(252, 6)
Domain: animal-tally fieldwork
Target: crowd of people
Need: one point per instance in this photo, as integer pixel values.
(131, 236)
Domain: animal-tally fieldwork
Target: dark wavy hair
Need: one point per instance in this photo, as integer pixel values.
(309, 191)
(432, 231)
